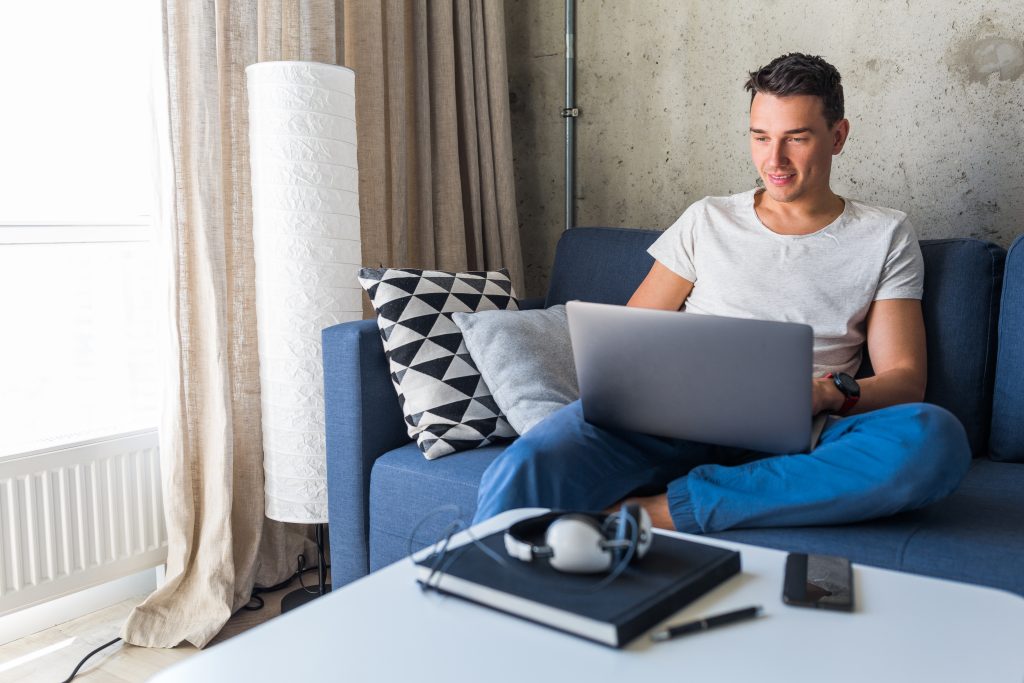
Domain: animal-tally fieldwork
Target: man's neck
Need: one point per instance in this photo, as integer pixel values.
(801, 217)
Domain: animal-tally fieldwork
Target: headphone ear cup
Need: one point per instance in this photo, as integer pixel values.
(638, 526)
(575, 542)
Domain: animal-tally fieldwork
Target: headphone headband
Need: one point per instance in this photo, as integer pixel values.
(525, 540)
(581, 542)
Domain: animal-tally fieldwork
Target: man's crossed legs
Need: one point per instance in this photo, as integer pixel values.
(865, 466)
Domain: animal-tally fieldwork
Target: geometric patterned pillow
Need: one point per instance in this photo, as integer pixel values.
(447, 405)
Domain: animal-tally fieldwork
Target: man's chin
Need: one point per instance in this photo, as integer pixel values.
(782, 195)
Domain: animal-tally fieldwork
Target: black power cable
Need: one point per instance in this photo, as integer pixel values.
(255, 595)
(85, 658)
(302, 569)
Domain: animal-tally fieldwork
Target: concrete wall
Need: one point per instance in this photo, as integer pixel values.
(934, 94)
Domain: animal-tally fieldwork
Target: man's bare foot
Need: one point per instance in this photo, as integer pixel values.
(656, 506)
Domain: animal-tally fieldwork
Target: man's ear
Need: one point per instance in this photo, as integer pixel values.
(840, 132)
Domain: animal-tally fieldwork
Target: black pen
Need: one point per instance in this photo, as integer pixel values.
(705, 624)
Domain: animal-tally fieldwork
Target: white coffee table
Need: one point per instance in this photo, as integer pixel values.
(383, 628)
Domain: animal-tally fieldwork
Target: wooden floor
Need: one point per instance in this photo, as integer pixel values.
(50, 656)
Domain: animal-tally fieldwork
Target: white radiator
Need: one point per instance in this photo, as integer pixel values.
(78, 517)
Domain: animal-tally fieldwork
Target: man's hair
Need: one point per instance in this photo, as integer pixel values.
(800, 74)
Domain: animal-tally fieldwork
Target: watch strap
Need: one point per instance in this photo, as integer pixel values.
(849, 400)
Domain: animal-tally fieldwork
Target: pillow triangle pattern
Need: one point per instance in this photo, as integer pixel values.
(446, 403)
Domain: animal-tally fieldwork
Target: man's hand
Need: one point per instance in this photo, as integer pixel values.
(825, 396)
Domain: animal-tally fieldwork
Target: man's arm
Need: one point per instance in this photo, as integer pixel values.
(661, 289)
(896, 343)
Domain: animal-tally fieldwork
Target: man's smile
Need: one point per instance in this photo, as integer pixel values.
(780, 179)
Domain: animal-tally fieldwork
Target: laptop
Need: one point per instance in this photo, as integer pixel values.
(718, 380)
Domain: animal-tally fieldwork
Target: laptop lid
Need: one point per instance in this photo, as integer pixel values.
(712, 379)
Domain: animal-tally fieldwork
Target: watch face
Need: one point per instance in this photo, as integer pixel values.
(847, 384)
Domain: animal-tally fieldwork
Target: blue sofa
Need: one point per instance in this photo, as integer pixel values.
(380, 486)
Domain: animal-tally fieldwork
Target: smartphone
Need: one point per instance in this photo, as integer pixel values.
(822, 581)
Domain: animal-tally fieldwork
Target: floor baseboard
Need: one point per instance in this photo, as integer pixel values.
(39, 617)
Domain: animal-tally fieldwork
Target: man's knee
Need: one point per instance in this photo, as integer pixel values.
(937, 452)
(519, 460)
(526, 473)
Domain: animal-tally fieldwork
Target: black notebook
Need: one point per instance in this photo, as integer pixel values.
(673, 574)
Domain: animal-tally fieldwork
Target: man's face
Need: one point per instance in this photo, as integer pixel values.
(792, 145)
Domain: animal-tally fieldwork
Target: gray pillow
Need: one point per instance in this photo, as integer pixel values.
(525, 359)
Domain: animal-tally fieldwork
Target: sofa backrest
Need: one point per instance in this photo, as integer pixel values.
(962, 282)
(963, 278)
(603, 265)
(1007, 438)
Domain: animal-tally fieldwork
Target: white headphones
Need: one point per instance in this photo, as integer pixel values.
(582, 543)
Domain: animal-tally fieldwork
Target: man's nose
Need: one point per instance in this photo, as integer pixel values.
(777, 157)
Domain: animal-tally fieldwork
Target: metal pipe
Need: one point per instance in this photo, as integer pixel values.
(570, 112)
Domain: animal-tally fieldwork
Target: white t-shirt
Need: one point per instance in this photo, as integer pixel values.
(826, 279)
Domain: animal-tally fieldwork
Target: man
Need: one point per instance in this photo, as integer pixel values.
(792, 251)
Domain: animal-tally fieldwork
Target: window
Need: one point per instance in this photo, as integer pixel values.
(78, 285)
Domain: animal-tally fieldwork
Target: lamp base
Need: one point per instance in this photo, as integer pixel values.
(300, 597)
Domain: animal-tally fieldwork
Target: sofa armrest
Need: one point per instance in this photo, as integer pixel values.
(363, 421)
(1006, 442)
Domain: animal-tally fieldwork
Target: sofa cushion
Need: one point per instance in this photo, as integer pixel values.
(1007, 440)
(526, 360)
(962, 281)
(445, 401)
(966, 537)
(405, 488)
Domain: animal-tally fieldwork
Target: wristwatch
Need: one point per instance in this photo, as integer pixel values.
(849, 388)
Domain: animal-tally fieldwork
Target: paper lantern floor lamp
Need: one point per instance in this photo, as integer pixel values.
(302, 137)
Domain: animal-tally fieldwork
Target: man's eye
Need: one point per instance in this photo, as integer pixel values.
(798, 139)
(761, 139)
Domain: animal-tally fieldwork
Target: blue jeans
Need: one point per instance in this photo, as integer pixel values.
(865, 466)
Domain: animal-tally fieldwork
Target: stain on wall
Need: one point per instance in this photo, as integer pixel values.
(984, 52)
(934, 94)
(994, 56)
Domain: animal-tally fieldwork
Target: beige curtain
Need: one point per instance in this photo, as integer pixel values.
(436, 190)
(219, 542)
(436, 186)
